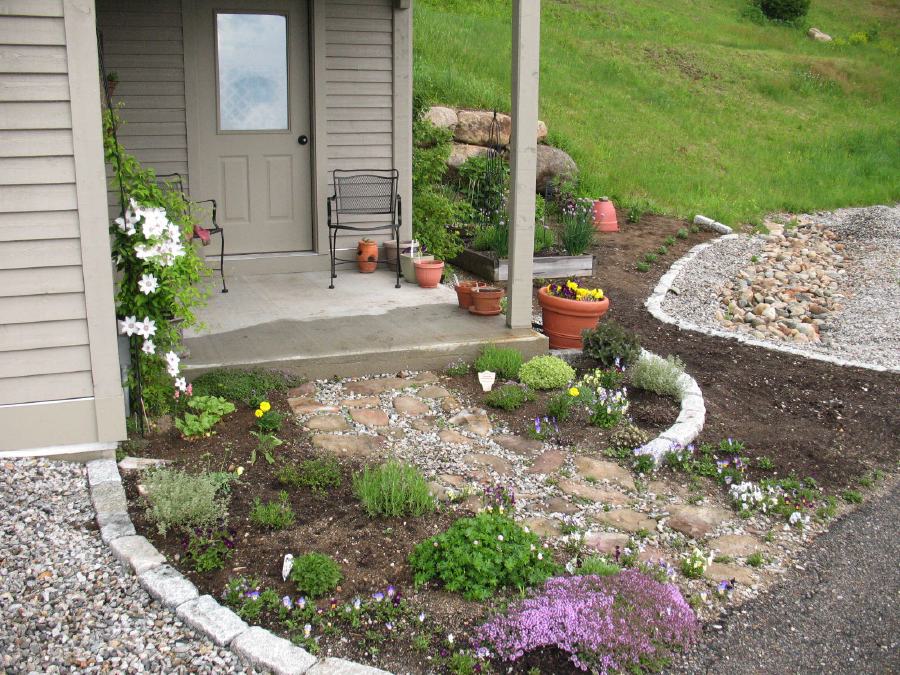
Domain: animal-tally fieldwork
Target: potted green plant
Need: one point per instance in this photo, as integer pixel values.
(568, 309)
(409, 256)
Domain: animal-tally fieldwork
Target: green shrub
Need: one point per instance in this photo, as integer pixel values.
(179, 500)
(477, 556)
(756, 559)
(560, 406)
(274, 515)
(628, 437)
(319, 475)
(207, 550)
(265, 443)
(209, 410)
(642, 267)
(599, 565)
(658, 375)
(609, 342)
(504, 361)
(577, 234)
(315, 574)
(650, 257)
(852, 496)
(270, 421)
(669, 241)
(546, 372)
(508, 397)
(245, 386)
(393, 489)
(681, 234)
(784, 10)
(662, 250)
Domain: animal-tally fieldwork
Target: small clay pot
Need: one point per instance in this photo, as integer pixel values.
(429, 272)
(486, 300)
(367, 256)
(464, 292)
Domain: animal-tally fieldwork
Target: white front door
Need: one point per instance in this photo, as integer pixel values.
(250, 149)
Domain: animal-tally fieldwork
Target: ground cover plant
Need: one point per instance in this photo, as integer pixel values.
(546, 372)
(208, 410)
(508, 397)
(393, 489)
(179, 500)
(658, 375)
(504, 361)
(319, 475)
(248, 386)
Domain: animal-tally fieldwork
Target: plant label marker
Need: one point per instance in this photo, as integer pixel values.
(486, 378)
(286, 566)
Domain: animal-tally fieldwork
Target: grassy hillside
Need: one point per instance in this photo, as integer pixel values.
(687, 106)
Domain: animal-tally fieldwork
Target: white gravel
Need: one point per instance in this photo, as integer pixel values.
(866, 330)
(66, 604)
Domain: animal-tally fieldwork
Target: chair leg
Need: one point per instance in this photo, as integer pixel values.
(397, 242)
(222, 260)
(332, 240)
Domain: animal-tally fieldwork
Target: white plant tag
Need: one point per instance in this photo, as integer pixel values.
(286, 566)
(487, 377)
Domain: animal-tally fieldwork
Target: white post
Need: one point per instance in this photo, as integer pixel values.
(525, 72)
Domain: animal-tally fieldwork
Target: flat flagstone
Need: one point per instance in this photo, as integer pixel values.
(654, 554)
(606, 542)
(664, 489)
(348, 444)
(392, 433)
(560, 505)
(376, 385)
(304, 405)
(697, 521)
(426, 376)
(305, 389)
(592, 493)
(723, 572)
(475, 421)
(362, 402)
(498, 464)
(519, 444)
(450, 404)
(736, 545)
(450, 479)
(438, 491)
(433, 391)
(370, 417)
(327, 423)
(450, 436)
(410, 405)
(140, 463)
(598, 469)
(626, 520)
(548, 462)
(542, 527)
(423, 424)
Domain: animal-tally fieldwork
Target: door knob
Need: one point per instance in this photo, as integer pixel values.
(303, 140)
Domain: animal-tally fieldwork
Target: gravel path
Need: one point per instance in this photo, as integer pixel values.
(839, 613)
(864, 330)
(66, 604)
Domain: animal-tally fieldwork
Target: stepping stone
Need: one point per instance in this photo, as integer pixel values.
(438, 491)
(450, 405)
(364, 402)
(426, 424)
(433, 391)
(425, 376)
(665, 490)
(542, 527)
(721, 572)
(449, 479)
(592, 493)
(140, 463)
(475, 421)
(409, 405)
(305, 405)
(697, 521)
(598, 469)
(370, 417)
(626, 520)
(519, 445)
(560, 505)
(736, 545)
(377, 385)
(606, 542)
(327, 423)
(454, 437)
(393, 434)
(654, 554)
(348, 444)
(498, 464)
(549, 462)
(305, 389)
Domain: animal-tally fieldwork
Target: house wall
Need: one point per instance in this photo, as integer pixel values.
(59, 373)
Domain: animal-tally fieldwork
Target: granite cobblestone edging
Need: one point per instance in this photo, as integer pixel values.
(654, 306)
(256, 646)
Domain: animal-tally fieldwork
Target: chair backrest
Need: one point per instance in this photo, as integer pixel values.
(171, 181)
(365, 191)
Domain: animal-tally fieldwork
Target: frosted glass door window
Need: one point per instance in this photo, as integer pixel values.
(251, 52)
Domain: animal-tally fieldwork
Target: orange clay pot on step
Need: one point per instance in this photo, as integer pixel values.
(565, 319)
(367, 256)
(605, 216)
(429, 272)
(486, 300)
(464, 292)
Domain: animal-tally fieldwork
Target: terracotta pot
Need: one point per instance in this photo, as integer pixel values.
(429, 272)
(367, 256)
(605, 216)
(464, 292)
(565, 319)
(486, 300)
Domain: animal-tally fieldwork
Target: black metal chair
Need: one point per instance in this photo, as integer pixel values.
(363, 192)
(176, 181)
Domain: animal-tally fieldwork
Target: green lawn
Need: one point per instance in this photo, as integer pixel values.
(685, 106)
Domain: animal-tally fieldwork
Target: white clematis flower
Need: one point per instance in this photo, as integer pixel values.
(148, 284)
(146, 328)
(172, 360)
(181, 384)
(128, 326)
(148, 347)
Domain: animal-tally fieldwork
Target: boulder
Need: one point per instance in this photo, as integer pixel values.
(541, 132)
(818, 35)
(442, 117)
(461, 153)
(474, 127)
(553, 163)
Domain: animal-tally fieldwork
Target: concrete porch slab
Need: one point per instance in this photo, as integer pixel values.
(364, 326)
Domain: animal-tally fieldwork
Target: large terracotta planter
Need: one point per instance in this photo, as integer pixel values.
(464, 292)
(429, 272)
(564, 319)
(367, 256)
(486, 300)
(605, 216)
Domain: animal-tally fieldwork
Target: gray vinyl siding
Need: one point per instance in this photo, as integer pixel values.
(359, 88)
(142, 43)
(44, 352)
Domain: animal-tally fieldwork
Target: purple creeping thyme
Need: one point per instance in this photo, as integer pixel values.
(604, 623)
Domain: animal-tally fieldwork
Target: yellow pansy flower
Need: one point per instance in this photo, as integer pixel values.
(574, 391)
(258, 413)
(265, 407)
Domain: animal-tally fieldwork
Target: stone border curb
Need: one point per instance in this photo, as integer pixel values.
(654, 306)
(711, 225)
(255, 646)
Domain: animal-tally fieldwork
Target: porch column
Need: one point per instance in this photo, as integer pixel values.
(525, 70)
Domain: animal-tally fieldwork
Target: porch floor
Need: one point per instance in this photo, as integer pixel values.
(364, 326)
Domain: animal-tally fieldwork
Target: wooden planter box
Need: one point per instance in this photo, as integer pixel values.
(549, 267)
